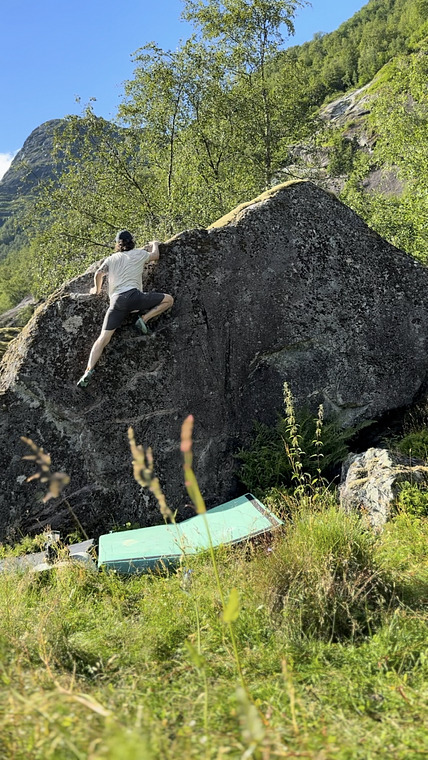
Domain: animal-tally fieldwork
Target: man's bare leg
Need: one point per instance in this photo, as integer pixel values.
(164, 305)
(141, 323)
(101, 342)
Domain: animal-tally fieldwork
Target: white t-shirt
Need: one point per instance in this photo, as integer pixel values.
(124, 270)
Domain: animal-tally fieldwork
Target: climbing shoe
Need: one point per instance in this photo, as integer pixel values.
(85, 379)
(142, 327)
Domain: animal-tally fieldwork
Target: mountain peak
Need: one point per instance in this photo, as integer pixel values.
(31, 164)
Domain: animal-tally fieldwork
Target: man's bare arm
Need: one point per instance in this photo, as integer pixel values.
(98, 282)
(153, 248)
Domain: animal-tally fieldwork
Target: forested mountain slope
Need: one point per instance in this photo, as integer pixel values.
(369, 78)
(223, 117)
(353, 54)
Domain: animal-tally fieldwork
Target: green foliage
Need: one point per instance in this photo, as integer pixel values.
(341, 155)
(200, 129)
(27, 545)
(77, 215)
(212, 123)
(267, 464)
(249, 37)
(351, 56)
(413, 499)
(407, 570)
(414, 444)
(323, 577)
(399, 119)
(16, 277)
(6, 335)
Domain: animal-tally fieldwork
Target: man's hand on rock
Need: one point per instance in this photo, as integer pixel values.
(149, 246)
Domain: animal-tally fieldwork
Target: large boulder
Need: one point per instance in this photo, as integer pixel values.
(371, 482)
(290, 287)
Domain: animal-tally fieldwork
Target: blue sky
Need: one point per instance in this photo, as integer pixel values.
(54, 51)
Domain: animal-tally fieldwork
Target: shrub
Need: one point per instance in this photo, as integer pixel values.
(323, 577)
(413, 499)
(415, 444)
(25, 546)
(316, 447)
(341, 156)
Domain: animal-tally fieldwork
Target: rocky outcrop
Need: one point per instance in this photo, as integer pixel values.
(290, 287)
(31, 165)
(349, 107)
(371, 482)
(348, 115)
(19, 315)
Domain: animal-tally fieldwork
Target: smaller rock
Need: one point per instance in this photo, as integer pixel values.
(19, 315)
(370, 481)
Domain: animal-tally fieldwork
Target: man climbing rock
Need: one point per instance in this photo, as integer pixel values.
(124, 269)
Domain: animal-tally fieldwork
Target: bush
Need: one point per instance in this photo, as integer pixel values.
(323, 577)
(413, 499)
(341, 156)
(266, 463)
(415, 444)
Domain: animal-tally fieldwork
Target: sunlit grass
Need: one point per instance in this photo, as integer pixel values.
(96, 666)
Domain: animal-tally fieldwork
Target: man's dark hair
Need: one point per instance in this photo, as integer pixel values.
(125, 240)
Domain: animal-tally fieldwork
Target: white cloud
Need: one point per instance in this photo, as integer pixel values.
(5, 162)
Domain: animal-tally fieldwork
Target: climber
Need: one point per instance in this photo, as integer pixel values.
(124, 268)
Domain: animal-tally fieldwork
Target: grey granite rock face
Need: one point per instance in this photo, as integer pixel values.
(33, 163)
(292, 287)
(371, 482)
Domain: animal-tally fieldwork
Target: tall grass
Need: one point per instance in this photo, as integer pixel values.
(324, 579)
(94, 665)
(143, 473)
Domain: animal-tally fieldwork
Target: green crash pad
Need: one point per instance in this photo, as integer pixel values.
(143, 549)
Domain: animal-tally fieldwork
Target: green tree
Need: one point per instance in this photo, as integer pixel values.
(183, 104)
(105, 186)
(211, 124)
(248, 32)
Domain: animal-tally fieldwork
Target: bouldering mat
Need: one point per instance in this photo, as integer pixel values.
(145, 548)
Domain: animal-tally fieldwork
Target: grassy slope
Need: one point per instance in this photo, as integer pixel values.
(331, 633)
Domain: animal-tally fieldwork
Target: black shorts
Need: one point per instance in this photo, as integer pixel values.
(132, 300)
